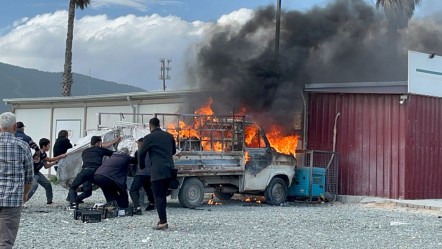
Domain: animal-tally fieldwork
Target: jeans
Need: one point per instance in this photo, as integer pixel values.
(39, 178)
(141, 181)
(9, 223)
(160, 188)
(112, 191)
(85, 178)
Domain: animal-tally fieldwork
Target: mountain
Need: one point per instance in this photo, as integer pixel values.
(18, 82)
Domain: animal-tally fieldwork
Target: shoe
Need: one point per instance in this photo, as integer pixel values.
(137, 211)
(150, 207)
(163, 226)
(51, 204)
(73, 206)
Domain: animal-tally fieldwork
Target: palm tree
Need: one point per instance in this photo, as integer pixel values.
(67, 74)
(398, 12)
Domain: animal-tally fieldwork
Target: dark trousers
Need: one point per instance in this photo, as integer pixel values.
(9, 223)
(40, 179)
(141, 181)
(112, 191)
(85, 178)
(160, 188)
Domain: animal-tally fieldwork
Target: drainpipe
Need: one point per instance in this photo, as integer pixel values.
(51, 128)
(305, 123)
(133, 108)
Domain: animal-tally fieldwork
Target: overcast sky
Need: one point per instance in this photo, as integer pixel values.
(123, 40)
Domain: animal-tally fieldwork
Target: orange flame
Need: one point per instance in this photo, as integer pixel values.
(246, 157)
(206, 109)
(211, 201)
(255, 199)
(282, 143)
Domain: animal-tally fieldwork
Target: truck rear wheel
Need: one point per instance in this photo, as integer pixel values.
(191, 193)
(276, 191)
(223, 196)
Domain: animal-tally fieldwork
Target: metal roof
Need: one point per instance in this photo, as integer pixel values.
(390, 87)
(104, 97)
(156, 97)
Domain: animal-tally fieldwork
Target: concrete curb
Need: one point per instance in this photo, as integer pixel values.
(433, 204)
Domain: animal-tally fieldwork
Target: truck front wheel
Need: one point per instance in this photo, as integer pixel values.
(191, 193)
(276, 191)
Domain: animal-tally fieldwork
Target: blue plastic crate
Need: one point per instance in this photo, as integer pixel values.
(301, 183)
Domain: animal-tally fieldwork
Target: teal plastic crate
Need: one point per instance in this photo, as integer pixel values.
(301, 183)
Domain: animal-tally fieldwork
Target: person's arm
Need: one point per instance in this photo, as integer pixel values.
(28, 165)
(107, 144)
(54, 159)
(174, 146)
(68, 144)
(33, 145)
(142, 153)
(133, 160)
(26, 190)
(47, 165)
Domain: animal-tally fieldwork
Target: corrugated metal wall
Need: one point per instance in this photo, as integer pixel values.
(370, 140)
(424, 157)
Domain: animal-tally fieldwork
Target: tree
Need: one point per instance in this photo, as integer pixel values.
(67, 74)
(398, 12)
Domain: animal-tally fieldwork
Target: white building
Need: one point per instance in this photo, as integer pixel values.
(45, 117)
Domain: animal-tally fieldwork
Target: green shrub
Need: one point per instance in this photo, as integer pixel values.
(53, 179)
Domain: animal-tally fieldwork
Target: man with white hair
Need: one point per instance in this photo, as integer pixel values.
(16, 176)
(111, 177)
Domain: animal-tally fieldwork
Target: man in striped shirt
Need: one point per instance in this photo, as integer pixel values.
(16, 176)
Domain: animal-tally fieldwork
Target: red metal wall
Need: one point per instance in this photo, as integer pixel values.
(424, 150)
(371, 140)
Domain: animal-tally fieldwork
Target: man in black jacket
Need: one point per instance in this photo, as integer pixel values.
(161, 147)
(92, 159)
(111, 177)
(142, 180)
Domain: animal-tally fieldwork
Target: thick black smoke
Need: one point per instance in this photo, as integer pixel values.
(345, 41)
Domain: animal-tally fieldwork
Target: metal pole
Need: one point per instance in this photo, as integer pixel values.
(278, 26)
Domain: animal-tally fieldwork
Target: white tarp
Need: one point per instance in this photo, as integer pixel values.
(69, 167)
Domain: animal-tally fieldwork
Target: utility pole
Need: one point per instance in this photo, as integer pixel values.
(278, 26)
(164, 71)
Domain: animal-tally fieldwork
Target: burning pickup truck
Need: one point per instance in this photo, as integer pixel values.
(223, 155)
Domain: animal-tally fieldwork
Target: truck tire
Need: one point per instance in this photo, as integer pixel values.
(223, 196)
(276, 191)
(191, 193)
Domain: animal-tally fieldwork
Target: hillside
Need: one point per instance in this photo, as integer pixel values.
(18, 82)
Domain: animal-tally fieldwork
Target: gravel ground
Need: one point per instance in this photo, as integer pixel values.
(234, 224)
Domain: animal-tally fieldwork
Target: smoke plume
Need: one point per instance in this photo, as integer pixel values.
(345, 41)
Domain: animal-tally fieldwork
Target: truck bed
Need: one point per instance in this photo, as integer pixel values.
(209, 163)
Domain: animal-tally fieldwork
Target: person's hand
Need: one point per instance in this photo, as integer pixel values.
(36, 157)
(119, 139)
(178, 153)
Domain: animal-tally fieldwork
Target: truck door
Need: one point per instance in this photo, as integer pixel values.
(258, 150)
